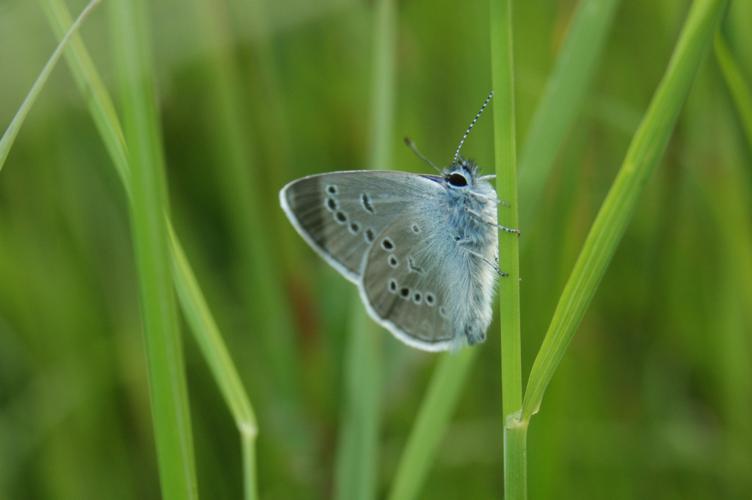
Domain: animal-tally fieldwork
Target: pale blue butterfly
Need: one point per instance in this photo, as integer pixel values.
(422, 249)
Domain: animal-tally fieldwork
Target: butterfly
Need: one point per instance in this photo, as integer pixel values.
(422, 249)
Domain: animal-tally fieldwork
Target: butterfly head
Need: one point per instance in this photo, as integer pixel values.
(462, 174)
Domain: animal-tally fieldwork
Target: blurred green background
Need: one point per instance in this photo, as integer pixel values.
(654, 397)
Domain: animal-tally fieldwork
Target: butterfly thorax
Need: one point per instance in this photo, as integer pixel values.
(471, 206)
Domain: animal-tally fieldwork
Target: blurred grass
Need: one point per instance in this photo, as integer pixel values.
(652, 397)
(431, 423)
(271, 346)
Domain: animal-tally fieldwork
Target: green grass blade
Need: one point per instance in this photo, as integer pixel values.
(11, 132)
(357, 453)
(194, 306)
(562, 100)
(167, 384)
(644, 153)
(505, 157)
(739, 88)
(431, 423)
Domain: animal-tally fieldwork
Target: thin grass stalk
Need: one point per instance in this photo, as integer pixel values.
(562, 100)
(357, 454)
(737, 85)
(167, 384)
(194, 306)
(502, 73)
(9, 137)
(644, 153)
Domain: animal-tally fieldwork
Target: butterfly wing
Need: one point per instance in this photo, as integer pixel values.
(414, 283)
(340, 214)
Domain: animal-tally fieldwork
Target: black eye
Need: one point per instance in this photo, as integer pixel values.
(457, 180)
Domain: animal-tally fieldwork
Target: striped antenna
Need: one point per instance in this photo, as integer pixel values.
(472, 124)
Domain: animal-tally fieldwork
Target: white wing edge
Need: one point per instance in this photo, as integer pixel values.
(294, 221)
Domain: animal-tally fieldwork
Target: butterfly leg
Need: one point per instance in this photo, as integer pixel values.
(511, 230)
(502, 274)
(495, 201)
(486, 221)
(495, 267)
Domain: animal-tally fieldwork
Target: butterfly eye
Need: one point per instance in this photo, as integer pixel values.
(457, 180)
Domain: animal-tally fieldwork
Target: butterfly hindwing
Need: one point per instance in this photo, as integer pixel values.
(405, 284)
(340, 214)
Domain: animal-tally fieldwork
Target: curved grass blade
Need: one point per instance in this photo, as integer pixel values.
(644, 153)
(91, 86)
(11, 132)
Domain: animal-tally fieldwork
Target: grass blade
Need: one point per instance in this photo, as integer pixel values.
(739, 88)
(643, 155)
(194, 306)
(562, 100)
(431, 423)
(502, 73)
(167, 384)
(357, 453)
(11, 132)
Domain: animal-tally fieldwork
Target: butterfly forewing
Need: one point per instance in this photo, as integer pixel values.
(341, 214)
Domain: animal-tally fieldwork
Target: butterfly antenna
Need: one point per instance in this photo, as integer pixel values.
(472, 124)
(410, 144)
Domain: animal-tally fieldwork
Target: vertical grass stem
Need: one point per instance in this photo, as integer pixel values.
(502, 72)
